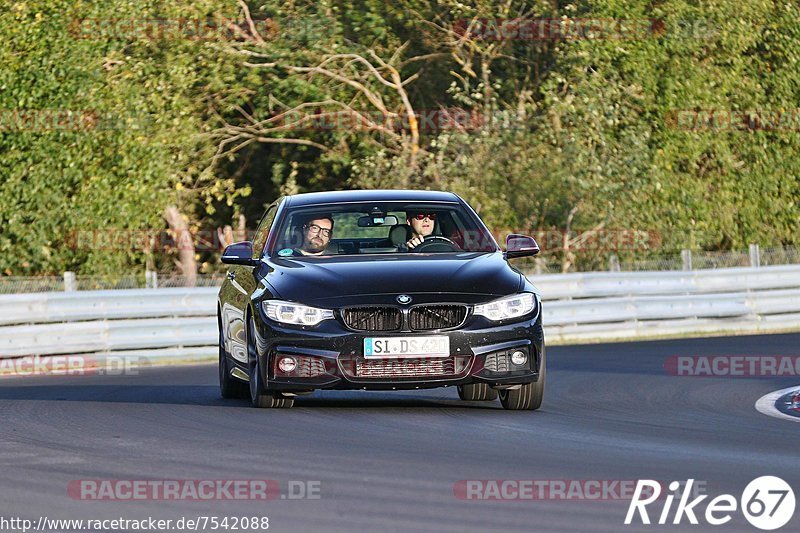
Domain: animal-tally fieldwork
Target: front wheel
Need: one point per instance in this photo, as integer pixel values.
(528, 397)
(229, 387)
(476, 392)
(259, 395)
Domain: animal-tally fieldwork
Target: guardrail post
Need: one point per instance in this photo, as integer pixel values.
(613, 263)
(755, 256)
(150, 279)
(686, 257)
(69, 281)
(538, 266)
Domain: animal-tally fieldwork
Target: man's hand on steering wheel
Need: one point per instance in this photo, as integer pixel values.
(420, 243)
(415, 241)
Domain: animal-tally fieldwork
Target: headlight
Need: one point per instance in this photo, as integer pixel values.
(292, 313)
(508, 307)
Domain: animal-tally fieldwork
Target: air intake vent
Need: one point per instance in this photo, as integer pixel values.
(404, 368)
(428, 317)
(372, 318)
(497, 362)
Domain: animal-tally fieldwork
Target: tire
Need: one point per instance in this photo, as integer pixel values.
(529, 396)
(229, 387)
(476, 392)
(259, 395)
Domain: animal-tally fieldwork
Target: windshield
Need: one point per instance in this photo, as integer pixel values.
(380, 228)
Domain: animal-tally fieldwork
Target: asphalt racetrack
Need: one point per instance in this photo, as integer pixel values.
(399, 461)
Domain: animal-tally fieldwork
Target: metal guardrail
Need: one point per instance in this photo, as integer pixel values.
(604, 284)
(578, 307)
(628, 305)
(107, 336)
(37, 308)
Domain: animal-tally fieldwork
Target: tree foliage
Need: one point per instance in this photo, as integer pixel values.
(574, 133)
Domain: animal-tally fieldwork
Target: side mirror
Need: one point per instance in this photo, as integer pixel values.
(520, 246)
(239, 253)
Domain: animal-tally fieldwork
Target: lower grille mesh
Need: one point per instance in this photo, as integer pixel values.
(385, 368)
(418, 367)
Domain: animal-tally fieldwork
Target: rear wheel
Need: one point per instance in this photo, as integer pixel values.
(229, 387)
(476, 392)
(528, 397)
(259, 395)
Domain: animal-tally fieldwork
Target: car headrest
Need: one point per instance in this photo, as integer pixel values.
(294, 239)
(400, 234)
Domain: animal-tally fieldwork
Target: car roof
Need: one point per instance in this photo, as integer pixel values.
(378, 195)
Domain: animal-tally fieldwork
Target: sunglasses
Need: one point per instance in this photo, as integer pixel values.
(422, 216)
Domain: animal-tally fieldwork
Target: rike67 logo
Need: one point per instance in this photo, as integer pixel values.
(767, 503)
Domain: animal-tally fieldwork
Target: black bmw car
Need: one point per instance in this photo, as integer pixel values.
(378, 290)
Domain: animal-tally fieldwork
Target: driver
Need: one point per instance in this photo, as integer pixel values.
(422, 223)
(316, 235)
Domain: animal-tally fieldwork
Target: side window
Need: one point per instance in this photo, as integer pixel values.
(260, 237)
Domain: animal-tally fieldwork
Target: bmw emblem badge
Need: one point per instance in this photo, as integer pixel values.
(404, 299)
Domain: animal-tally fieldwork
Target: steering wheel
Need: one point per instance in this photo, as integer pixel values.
(436, 243)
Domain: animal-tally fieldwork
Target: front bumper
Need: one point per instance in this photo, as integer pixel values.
(479, 350)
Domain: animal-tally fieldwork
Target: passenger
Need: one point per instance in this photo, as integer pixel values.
(317, 234)
(422, 224)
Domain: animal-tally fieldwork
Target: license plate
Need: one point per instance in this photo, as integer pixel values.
(407, 346)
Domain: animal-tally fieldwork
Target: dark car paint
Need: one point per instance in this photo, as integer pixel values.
(329, 281)
(377, 196)
(336, 281)
(476, 338)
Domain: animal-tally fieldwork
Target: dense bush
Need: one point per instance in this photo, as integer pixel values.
(585, 133)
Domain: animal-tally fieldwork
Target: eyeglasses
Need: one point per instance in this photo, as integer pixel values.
(313, 229)
(422, 216)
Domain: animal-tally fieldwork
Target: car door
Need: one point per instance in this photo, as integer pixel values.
(239, 286)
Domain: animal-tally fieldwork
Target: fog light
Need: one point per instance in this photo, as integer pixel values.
(287, 364)
(519, 357)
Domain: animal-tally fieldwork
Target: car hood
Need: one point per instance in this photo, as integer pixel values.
(469, 277)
